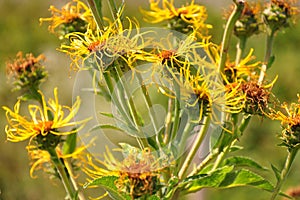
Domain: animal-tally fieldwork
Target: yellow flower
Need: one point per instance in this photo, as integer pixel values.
(183, 19)
(245, 68)
(46, 122)
(74, 16)
(43, 160)
(138, 173)
(289, 116)
(172, 53)
(101, 47)
(206, 93)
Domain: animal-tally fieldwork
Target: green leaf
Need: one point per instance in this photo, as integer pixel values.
(246, 177)
(242, 161)
(69, 145)
(108, 183)
(213, 179)
(271, 61)
(106, 114)
(226, 178)
(105, 126)
(235, 148)
(224, 139)
(276, 172)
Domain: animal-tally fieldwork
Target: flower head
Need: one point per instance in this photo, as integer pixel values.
(138, 173)
(46, 125)
(101, 47)
(209, 94)
(257, 97)
(75, 16)
(289, 117)
(26, 71)
(249, 22)
(244, 70)
(183, 19)
(278, 13)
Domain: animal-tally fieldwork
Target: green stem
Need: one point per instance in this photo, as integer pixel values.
(183, 144)
(269, 46)
(60, 167)
(103, 88)
(195, 147)
(151, 111)
(95, 6)
(168, 121)
(132, 108)
(239, 6)
(204, 162)
(113, 9)
(148, 102)
(240, 48)
(176, 116)
(287, 166)
(110, 86)
(221, 155)
(237, 132)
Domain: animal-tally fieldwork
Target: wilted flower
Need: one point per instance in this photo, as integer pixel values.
(257, 97)
(27, 72)
(75, 16)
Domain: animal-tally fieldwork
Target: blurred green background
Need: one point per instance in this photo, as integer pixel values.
(20, 31)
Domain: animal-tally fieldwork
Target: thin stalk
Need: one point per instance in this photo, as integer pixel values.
(73, 181)
(168, 121)
(176, 112)
(269, 46)
(64, 177)
(222, 154)
(132, 108)
(204, 162)
(287, 166)
(237, 132)
(152, 113)
(113, 9)
(185, 135)
(110, 87)
(195, 147)
(148, 102)
(103, 89)
(240, 48)
(239, 6)
(97, 12)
